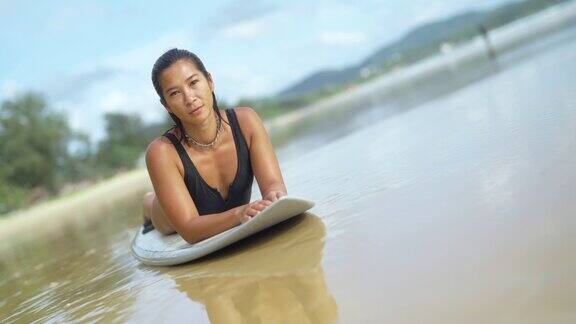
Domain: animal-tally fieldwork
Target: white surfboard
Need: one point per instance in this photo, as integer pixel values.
(154, 248)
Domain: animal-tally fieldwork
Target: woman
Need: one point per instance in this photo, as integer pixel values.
(205, 165)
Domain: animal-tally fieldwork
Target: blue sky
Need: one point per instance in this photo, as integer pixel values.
(92, 57)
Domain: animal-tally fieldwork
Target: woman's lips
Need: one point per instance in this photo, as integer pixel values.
(197, 110)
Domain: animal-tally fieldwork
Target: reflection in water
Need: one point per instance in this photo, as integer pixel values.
(52, 279)
(274, 276)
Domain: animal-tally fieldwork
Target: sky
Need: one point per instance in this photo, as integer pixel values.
(92, 57)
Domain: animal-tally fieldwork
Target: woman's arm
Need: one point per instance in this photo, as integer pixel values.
(264, 162)
(174, 199)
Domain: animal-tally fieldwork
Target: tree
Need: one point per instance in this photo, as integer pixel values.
(33, 142)
(126, 139)
(34, 151)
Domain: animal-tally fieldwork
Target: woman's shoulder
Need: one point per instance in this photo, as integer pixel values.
(249, 121)
(247, 115)
(244, 111)
(161, 144)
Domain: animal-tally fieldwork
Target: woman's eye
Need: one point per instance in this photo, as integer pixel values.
(173, 93)
(193, 82)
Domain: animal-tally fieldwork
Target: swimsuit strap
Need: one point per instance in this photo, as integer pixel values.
(181, 152)
(241, 145)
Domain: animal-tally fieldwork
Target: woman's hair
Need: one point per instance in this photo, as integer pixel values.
(166, 60)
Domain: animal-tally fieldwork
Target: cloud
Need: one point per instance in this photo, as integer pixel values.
(245, 29)
(241, 10)
(121, 70)
(76, 83)
(240, 19)
(144, 55)
(9, 89)
(236, 81)
(342, 37)
(120, 94)
(428, 12)
(114, 101)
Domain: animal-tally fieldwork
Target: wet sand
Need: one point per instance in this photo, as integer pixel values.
(460, 210)
(79, 207)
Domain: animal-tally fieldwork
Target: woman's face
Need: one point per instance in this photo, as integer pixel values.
(187, 93)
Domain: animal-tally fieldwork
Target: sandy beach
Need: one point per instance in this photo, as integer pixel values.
(81, 206)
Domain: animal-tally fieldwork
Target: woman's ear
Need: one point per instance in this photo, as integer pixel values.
(210, 82)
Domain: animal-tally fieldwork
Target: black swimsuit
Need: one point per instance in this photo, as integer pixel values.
(207, 199)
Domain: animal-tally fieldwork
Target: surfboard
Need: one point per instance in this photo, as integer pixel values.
(154, 248)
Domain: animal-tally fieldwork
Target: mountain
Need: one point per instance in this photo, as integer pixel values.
(415, 45)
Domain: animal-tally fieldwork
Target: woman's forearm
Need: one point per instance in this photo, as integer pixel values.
(205, 226)
(276, 186)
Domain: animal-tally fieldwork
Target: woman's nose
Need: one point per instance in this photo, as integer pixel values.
(189, 96)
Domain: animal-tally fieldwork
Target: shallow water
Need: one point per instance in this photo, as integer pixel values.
(459, 209)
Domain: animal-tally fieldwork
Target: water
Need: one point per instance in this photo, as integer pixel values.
(433, 206)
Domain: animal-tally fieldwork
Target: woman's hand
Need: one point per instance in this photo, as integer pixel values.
(246, 212)
(274, 195)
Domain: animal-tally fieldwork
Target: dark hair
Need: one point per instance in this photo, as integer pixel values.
(163, 62)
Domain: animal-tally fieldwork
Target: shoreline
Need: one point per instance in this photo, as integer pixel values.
(65, 209)
(504, 39)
